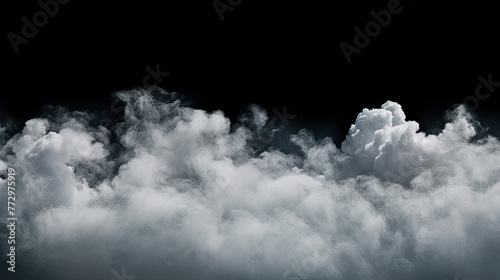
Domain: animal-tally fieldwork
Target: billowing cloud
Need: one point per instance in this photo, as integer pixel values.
(173, 192)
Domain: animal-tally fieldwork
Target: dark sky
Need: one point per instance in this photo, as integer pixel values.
(272, 53)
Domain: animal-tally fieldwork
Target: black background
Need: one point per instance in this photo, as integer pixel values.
(272, 53)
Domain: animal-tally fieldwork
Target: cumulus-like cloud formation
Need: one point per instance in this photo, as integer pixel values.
(177, 193)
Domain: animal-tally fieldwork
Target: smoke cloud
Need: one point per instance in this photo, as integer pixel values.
(172, 192)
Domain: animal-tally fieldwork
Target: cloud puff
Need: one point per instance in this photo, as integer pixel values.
(174, 192)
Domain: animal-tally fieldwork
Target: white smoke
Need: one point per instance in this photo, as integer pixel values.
(177, 193)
